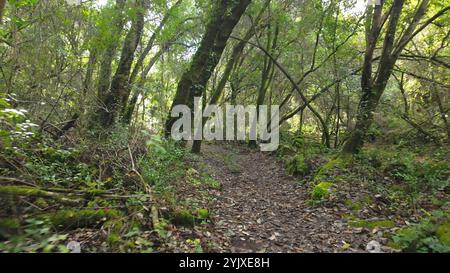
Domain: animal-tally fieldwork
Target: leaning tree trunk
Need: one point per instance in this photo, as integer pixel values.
(137, 90)
(224, 18)
(104, 78)
(374, 86)
(117, 98)
(128, 109)
(266, 77)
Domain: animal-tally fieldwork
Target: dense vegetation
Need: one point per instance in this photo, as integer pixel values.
(87, 87)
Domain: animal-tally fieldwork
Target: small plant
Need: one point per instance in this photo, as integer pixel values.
(321, 191)
(203, 213)
(162, 164)
(196, 244)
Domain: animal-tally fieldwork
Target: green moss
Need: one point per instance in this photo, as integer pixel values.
(360, 223)
(203, 213)
(40, 202)
(79, 218)
(35, 192)
(443, 233)
(183, 217)
(354, 205)
(8, 226)
(20, 190)
(113, 239)
(114, 225)
(297, 165)
(340, 162)
(321, 191)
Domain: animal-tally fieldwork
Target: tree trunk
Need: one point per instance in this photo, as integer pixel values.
(372, 89)
(266, 77)
(2, 7)
(151, 41)
(117, 98)
(225, 16)
(110, 51)
(137, 90)
(374, 86)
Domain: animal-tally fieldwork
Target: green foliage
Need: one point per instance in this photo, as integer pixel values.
(23, 3)
(321, 191)
(297, 165)
(16, 131)
(203, 213)
(196, 244)
(203, 179)
(432, 234)
(8, 226)
(161, 228)
(37, 236)
(419, 174)
(59, 166)
(211, 182)
(183, 217)
(162, 164)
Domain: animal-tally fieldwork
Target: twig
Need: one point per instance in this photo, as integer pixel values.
(4, 179)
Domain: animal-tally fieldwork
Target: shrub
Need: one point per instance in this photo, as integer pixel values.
(432, 234)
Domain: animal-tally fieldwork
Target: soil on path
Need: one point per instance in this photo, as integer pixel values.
(262, 209)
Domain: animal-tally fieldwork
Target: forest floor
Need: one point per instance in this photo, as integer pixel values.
(231, 198)
(259, 208)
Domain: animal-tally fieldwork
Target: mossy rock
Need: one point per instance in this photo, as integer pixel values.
(68, 218)
(321, 191)
(183, 217)
(340, 162)
(298, 165)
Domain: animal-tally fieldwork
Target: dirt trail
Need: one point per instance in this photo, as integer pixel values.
(261, 209)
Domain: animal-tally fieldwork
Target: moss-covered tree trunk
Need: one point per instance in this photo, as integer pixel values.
(374, 84)
(116, 99)
(236, 53)
(104, 78)
(2, 7)
(226, 14)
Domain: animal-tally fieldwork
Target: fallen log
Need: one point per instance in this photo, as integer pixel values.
(71, 218)
(36, 192)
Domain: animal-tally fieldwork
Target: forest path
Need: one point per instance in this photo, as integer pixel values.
(262, 209)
